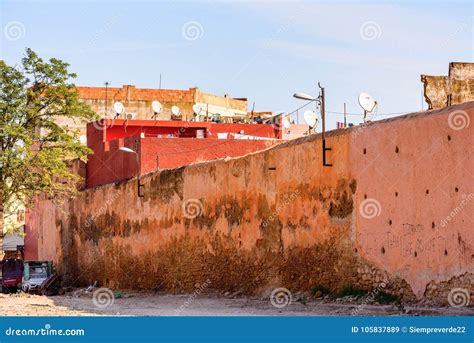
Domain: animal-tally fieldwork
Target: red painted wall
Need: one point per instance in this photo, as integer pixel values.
(109, 164)
(170, 153)
(110, 129)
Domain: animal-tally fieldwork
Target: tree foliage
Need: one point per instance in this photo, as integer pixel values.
(35, 148)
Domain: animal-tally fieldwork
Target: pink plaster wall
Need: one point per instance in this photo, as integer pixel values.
(415, 190)
(278, 218)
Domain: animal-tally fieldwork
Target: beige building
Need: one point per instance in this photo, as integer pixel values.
(456, 88)
(138, 104)
(11, 239)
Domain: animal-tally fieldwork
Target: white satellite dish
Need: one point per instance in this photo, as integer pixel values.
(367, 102)
(119, 108)
(197, 109)
(175, 110)
(83, 139)
(311, 118)
(286, 122)
(156, 106)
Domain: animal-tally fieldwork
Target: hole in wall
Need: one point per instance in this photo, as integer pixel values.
(449, 137)
(427, 191)
(433, 225)
(365, 196)
(383, 250)
(396, 194)
(445, 252)
(355, 250)
(365, 151)
(396, 149)
(416, 254)
(456, 189)
(390, 222)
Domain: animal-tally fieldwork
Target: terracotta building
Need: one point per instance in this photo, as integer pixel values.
(456, 88)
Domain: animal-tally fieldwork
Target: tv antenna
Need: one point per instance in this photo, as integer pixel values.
(119, 108)
(368, 104)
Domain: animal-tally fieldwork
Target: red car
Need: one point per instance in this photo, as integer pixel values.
(12, 274)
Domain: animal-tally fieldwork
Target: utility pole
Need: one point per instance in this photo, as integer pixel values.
(106, 98)
(345, 121)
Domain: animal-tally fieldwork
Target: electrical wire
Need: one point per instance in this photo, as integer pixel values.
(352, 114)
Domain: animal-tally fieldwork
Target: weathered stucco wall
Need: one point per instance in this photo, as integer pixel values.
(456, 88)
(396, 206)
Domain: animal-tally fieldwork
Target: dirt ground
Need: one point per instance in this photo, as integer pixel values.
(139, 304)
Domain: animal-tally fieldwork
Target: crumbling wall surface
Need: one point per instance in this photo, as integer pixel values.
(456, 88)
(394, 209)
(461, 70)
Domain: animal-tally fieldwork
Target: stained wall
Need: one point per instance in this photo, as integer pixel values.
(395, 207)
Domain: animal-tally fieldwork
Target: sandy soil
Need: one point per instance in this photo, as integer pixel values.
(136, 304)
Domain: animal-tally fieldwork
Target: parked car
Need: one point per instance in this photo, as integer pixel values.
(12, 274)
(34, 274)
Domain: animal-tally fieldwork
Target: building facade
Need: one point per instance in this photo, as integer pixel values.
(456, 88)
(138, 104)
(166, 144)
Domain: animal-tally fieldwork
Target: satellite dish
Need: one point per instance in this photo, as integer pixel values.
(119, 108)
(131, 116)
(367, 102)
(286, 122)
(83, 139)
(156, 106)
(175, 110)
(311, 118)
(197, 109)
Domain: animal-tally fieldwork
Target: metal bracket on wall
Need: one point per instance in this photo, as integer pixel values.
(140, 185)
(322, 96)
(324, 154)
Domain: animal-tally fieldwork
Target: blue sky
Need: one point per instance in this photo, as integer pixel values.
(264, 51)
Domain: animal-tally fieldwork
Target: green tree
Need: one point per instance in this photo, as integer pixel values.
(35, 149)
